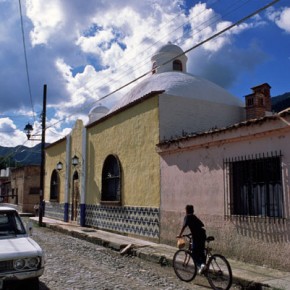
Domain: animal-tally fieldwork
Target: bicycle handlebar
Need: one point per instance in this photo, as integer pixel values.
(208, 239)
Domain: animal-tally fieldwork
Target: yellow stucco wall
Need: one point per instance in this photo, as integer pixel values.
(76, 148)
(54, 154)
(57, 152)
(131, 135)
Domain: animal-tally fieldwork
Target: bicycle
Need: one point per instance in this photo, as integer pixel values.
(217, 269)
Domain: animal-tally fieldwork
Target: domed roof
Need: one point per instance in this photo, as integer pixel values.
(170, 48)
(182, 85)
(97, 112)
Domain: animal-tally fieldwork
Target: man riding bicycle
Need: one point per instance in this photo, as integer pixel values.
(198, 232)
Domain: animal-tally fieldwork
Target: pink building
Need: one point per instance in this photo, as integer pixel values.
(237, 178)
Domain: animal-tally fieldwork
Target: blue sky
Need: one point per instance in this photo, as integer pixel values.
(84, 52)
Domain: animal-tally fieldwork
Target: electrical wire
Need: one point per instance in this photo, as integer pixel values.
(148, 72)
(186, 51)
(231, 8)
(25, 57)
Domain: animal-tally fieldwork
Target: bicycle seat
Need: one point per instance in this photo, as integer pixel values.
(210, 239)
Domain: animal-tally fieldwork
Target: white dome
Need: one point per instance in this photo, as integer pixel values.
(97, 112)
(183, 85)
(164, 58)
(170, 48)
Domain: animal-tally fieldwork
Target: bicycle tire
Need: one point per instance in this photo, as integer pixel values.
(218, 272)
(184, 265)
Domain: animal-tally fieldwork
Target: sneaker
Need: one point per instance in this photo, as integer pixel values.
(201, 269)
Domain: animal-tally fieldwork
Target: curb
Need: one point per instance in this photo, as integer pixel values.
(150, 253)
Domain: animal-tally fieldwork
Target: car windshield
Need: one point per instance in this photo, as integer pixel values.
(10, 224)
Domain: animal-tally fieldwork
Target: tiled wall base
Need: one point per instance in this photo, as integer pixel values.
(141, 221)
(54, 210)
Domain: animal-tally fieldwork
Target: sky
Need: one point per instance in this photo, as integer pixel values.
(86, 50)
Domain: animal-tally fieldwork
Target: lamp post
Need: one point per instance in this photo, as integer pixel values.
(28, 128)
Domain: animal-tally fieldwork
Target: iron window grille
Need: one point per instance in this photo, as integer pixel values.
(253, 186)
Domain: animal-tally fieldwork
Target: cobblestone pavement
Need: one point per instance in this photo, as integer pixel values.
(74, 264)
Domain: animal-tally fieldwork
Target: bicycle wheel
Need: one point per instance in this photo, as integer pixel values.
(184, 266)
(219, 272)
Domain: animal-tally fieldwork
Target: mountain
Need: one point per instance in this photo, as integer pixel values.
(281, 102)
(20, 155)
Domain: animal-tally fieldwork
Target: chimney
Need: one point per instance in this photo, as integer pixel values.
(258, 104)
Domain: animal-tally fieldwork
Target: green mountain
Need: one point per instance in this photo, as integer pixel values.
(20, 155)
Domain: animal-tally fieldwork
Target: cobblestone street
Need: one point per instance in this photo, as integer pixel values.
(72, 263)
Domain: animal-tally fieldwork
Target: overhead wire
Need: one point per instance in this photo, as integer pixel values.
(148, 72)
(186, 51)
(137, 66)
(142, 62)
(25, 57)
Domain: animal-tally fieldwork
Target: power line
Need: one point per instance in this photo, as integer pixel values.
(25, 57)
(186, 51)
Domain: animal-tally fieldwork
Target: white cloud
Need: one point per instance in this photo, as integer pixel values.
(9, 134)
(281, 17)
(85, 51)
(47, 18)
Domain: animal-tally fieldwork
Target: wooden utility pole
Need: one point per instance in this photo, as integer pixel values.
(42, 165)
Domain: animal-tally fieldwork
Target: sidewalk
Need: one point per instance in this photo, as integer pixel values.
(250, 276)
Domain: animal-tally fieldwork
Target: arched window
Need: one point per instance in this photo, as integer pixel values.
(177, 65)
(154, 66)
(111, 179)
(54, 186)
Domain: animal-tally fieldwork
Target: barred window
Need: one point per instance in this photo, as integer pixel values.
(111, 179)
(254, 186)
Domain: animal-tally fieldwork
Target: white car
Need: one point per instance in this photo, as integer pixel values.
(21, 258)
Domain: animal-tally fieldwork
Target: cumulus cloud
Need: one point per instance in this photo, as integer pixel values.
(281, 17)
(85, 52)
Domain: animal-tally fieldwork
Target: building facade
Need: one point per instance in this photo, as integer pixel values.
(24, 193)
(176, 139)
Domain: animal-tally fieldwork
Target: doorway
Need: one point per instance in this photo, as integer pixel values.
(75, 196)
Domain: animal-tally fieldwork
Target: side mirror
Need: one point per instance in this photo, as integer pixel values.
(29, 228)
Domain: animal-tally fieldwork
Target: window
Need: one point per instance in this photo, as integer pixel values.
(254, 186)
(154, 66)
(54, 186)
(111, 179)
(250, 102)
(177, 65)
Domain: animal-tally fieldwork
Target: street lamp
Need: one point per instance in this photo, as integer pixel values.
(59, 166)
(75, 161)
(28, 128)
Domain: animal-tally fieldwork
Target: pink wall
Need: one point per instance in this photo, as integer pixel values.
(192, 172)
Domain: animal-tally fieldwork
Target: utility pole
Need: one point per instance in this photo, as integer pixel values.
(28, 129)
(42, 164)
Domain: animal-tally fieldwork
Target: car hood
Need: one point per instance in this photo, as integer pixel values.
(18, 247)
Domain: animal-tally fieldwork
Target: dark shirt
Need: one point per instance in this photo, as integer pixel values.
(195, 225)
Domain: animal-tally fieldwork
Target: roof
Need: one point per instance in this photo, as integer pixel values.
(213, 131)
(182, 85)
(170, 48)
